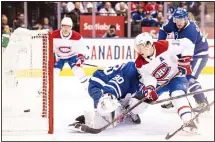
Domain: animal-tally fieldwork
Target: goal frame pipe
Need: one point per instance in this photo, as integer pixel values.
(51, 85)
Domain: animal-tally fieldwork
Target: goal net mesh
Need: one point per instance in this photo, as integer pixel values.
(26, 82)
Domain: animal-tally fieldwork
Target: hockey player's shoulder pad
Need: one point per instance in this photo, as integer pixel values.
(75, 35)
(161, 46)
(140, 61)
(56, 34)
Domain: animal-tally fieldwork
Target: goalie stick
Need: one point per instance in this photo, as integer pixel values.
(88, 129)
(168, 136)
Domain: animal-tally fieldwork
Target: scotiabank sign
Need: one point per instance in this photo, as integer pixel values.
(102, 25)
(207, 32)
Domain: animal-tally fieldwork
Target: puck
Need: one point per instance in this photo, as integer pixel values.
(27, 110)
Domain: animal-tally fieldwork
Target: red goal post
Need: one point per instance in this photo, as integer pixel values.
(27, 82)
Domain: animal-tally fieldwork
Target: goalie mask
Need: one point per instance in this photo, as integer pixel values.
(144, 45)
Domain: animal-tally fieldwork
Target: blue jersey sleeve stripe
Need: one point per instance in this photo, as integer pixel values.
(118, 87)
(98, 80)
(113, 89)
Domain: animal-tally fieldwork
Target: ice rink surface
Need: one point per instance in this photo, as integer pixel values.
(71, 100)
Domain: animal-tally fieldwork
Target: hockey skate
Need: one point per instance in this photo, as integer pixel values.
(76, 126)
(201, 105)
(135, 118)
(190, 128)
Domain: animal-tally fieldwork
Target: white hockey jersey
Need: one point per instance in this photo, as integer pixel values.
(164, 63)
(66, 47)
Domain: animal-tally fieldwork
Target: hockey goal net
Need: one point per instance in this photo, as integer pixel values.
(27, 82)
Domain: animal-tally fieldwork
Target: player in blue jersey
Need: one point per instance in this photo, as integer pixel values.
(182, 27)
(114, 90)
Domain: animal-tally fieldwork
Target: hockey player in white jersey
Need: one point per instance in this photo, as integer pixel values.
(69, 48)
(157, 62)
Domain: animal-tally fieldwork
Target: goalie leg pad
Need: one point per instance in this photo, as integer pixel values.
(94, 120)
(140, 108)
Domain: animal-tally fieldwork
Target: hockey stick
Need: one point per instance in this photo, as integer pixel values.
(96, 131)
(181, 96)
(90, 65)
(87, 129)
(168, 136)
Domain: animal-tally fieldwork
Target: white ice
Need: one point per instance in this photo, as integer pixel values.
(71, 101)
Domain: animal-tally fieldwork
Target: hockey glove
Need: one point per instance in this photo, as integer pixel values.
(150, 93)
(184, 65)
(80, 59)
(107, 103)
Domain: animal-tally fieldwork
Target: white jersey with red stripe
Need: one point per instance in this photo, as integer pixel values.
(164, 62)
(66, 47)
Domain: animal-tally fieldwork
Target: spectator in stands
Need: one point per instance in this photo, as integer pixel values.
(89, 9)
(208, 21)
(170, 9)
(37, 26)
(120, 6)
(111, 32)
(6, 29)
(46, 24)
(160, 18)
(138, 15)
(64, 8)
(4, 20)
(151, 6)
(195, 9)
(121, 9)
(191, 17)
(149, 21)
(107, 10)
(100, 5)
(183, 4)
(69, 7)
(160, 9)
(75, 16)
(19, 22)
(134, 6)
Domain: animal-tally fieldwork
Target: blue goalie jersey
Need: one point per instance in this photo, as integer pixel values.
(118, 80)
(190, 31)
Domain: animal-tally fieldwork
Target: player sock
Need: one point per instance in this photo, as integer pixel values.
(195, 86)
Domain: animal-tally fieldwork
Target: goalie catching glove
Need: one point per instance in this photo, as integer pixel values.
(107, 103)
(184, 65)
